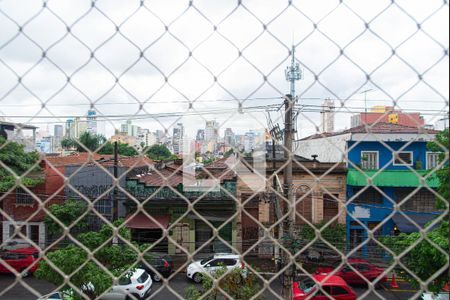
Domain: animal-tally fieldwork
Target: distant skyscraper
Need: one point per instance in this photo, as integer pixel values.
(130, 129)
(200, 135)
(249, 141)
(327, 114)
(211, 130)
(177, 138)
(229, 138)
(58, 136)
(91, 121)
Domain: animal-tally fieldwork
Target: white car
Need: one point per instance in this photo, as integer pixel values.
(65, 295)
(431, 296)
(139, 285)
(212, 263)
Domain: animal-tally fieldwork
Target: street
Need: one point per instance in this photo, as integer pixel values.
(17, 291)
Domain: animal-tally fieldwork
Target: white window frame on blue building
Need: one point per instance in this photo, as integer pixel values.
(398, 155)
(377, 163)
(435, 160)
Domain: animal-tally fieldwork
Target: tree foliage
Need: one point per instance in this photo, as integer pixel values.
(425, 259)
(117, 258)
(90, 141)
(13, 155)
(67, 213)
(159, 152)
(441, 145)
(332, 233)
(122, 149)
(233, 283)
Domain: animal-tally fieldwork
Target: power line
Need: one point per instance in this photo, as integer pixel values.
(120, 102)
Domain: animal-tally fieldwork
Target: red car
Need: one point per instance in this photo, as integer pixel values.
(366, 269)
(20, 262)
(334, 286)
(27, 251)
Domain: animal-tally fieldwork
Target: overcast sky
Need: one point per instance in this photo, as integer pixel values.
(217, 54)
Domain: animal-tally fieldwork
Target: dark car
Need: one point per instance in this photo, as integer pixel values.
(24, 263)
(161, 263)
(369, 272)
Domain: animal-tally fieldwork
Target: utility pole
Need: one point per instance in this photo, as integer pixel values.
(115, 198)
(292, 74)
(365, 100)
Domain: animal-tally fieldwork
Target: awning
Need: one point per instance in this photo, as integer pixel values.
(141, 221)
(404, 225)
(211, 216)
(390, 178)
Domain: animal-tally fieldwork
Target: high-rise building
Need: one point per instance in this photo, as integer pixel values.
(229, 138)
(327, 114)
(130, 129)
(75, 127)
(200, 135)
(211, 130)
(177, 138)
(249, 141)
(91, 121)
(58, 136)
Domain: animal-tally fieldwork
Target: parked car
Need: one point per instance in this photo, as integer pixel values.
(213, 263)
(27, 251)
(431, 296)
(366, 269)
(334, 286)
(64, 295)
(16, 244)
(162, 264)
(138, 284)
(24, 263)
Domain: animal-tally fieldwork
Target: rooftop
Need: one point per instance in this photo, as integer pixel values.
(378, 128)
(103, 159)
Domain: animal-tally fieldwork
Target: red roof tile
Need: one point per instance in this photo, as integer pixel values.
(377, 128)
(74, 159)
(103, 159)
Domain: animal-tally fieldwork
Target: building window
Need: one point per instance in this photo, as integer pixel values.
(22, 197)
(330, 206)
(368, 196)
(403, 158)
(421, 201)
(23, 231)
(369, 160)
(104, 206)
(432, 160)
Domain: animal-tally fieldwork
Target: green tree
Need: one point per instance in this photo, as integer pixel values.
(67, 213)
(228, 153)
(116, 258)
(122, 149)
(91, 141)
(159, 152)
(232, 282)
(441, 145)
(14, 157)
(425, 259)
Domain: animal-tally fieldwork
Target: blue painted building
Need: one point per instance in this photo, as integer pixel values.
(388, 165)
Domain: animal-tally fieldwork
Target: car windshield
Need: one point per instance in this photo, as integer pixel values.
(306, 285)
(143, 278)
(205, 260)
